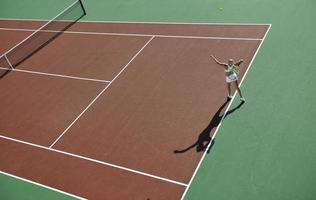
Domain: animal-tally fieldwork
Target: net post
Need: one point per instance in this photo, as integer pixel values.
(84, 10)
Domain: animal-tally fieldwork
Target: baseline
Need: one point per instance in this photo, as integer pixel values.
(148, 22)
(133, 34)
(95, 161)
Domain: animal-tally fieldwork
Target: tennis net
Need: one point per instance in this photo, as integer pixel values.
(41, 37)
(4, 66)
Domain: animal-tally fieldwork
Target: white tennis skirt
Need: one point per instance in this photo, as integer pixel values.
(231, 78)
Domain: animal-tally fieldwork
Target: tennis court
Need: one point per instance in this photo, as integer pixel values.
(115, 110)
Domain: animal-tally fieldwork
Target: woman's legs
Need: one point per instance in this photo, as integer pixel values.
(239, 91)
(229, 90)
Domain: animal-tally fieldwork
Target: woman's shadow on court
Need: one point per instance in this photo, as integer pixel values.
(205, 137)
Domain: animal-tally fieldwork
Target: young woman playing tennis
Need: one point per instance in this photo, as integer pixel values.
(231, 70)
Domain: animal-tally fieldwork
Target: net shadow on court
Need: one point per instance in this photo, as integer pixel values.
(41, 37)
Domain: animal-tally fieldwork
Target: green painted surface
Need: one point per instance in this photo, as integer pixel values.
(35, 9)
(265, 150)
(15, 189)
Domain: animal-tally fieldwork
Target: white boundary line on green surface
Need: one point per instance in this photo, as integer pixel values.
(252, 60)
(41, 185)
(56, 75)
(150, 22)
(134, 34)
(95, 161)
(223, 117)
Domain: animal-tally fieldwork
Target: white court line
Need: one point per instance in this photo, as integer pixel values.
(187, 185)
(153, 22)
(135, 34)
(41, 185)
(56, 75)
(177, 23)
(106, 87)
(95, 161)
(253, 58)
(223, 117)
(8, 61)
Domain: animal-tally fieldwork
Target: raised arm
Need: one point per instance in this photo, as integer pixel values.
(239, 62)
(220, 63)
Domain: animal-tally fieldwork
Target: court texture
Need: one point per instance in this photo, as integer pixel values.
(121, 100)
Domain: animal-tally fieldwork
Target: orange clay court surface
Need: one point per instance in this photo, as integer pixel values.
(105, 105)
